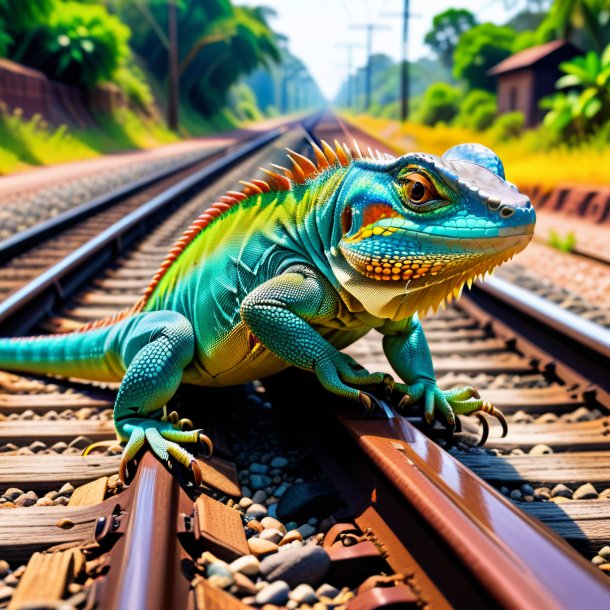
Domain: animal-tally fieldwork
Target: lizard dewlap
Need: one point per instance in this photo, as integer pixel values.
(291, 270)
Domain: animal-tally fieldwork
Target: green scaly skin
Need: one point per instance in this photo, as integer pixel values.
(288, 278)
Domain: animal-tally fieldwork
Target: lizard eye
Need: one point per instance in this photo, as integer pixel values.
(419, 189)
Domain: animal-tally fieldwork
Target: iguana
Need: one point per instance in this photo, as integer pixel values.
(290, 271)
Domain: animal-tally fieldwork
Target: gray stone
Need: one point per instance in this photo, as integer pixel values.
(278, 491)
(12, 492)
(304, 594)
(246, 492)
(271, 534)
(527, 489)
(259, 497)
(307, 530)
(540, 450)
(515, 494)
(304, 564)
(247, 564)
(276, 593)
(258, 511)
(27, 499)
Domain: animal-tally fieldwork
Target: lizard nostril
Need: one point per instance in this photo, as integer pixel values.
(507, 212)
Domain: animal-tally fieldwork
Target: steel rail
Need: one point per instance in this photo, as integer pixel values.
(27, 305)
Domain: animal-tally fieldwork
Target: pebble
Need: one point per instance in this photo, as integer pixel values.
(258, 511)
(515, 494)
(305, 500)
(304, 594)
(542, 493)
(5, 594)
(271, 534)
(4, 568)
(259, 547)
(272, 510)
(80, 442)
(219, 574)
(561, 490)
(246, 492)
(243, 585)
(37, 446)
(597, 560)
(273, 523)
(247, 564)
(304, 564)
(279, 462)
(245, 503)
(585, 492)
(260, 497)
(255, 525)
(66, 489)
(605, 552)
(527, 489)
(547, 418)
(12, 492)
(256, 468)
(291, 536)
(26, 499)
(45, 502)
(276, 593)
(220, 581)
(604, 494)
(259, 481)
(327, 590)
(278, 491)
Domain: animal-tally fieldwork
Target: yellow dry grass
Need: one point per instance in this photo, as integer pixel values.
(526, 166)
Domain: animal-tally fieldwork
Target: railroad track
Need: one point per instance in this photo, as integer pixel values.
(394, 518)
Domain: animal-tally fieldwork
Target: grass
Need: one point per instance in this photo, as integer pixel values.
(563, 244)
(28, 142)
(525, 161)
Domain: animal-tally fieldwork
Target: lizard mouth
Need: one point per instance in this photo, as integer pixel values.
(473, 258)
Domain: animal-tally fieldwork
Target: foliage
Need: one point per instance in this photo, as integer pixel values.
(439, 103)
(33, 142)
(80, 44)
(477, 110)
(563, 244)
(479, 49)
(447, 27)
(17, 17)
(566, 17)
(245, 103)
(219, 44)
(508, 126)
(581, 112)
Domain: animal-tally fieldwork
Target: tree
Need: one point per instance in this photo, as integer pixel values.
(478, 50)
(439, 103)
(447, 27)
(566, 17)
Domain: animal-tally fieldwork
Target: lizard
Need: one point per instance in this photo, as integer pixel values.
(289, 271)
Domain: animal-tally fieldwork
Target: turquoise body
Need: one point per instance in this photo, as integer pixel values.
(289, 277)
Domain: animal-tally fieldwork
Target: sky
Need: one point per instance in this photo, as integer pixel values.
(316, 28)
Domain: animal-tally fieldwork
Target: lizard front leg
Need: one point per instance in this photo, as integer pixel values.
(155, 348)
(407, 350)
(280, 313)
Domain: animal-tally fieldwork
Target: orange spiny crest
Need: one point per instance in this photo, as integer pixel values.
(341, 156)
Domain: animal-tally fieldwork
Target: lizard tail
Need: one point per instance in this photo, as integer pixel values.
(79, 354)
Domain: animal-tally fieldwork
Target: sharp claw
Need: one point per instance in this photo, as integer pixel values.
(429, 418)
(475, 393)
(388, 385)
(485, 427)
(173, 417)
(498, 415)
(404, 402)
(196, 472)
(366, 401)
(206, 443)
(185, 424)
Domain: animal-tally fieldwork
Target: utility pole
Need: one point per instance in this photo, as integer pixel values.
(404, 68)
(351, 94)
(172, 75)
(369, 27)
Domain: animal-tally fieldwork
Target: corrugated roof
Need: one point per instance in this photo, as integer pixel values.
(527, 58)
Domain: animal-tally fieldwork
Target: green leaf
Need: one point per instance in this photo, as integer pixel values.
(592, 107)
(569, 80)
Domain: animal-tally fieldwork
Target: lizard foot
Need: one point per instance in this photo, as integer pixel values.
(459, 401)
(164, 439)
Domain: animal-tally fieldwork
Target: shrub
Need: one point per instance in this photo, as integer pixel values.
(81, 44)
(508, 126)
(440, 103)
(477, 110)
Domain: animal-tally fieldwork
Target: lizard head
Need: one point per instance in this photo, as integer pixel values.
(410, 232)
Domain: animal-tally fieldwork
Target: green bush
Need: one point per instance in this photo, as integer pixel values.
(508, 126)
(80, 44)
(440, 103)
(477, 110)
